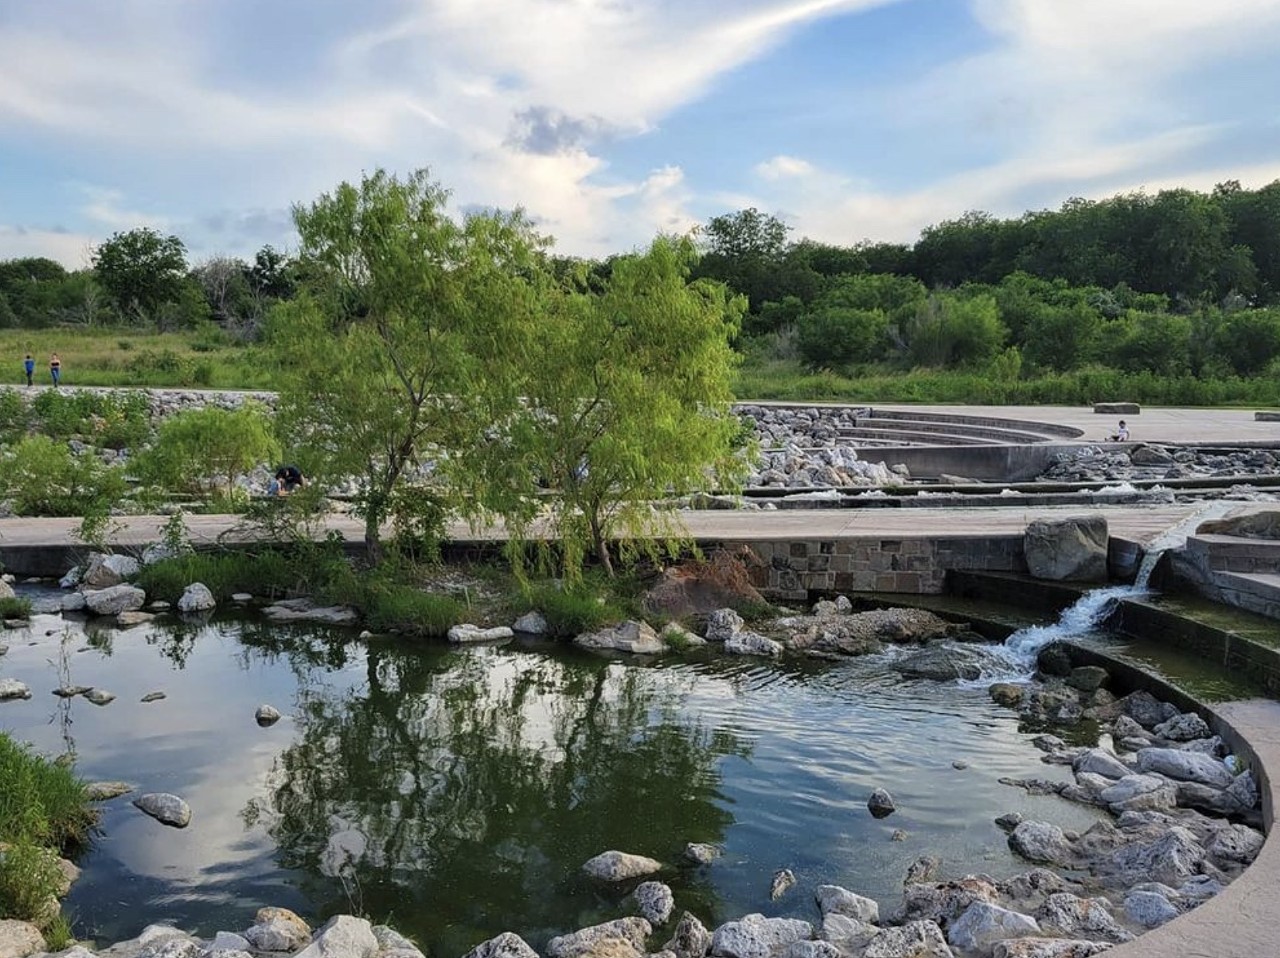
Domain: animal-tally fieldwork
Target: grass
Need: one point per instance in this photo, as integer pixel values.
(789, 380)
(123, 356)
(43, 810)
(269, 573)
(15, 608)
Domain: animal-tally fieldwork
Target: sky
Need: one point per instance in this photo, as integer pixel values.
(609, 121)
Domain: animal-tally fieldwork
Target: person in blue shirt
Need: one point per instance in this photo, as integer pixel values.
(29, 366)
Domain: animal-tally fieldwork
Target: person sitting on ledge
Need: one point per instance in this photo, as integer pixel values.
(1121, 434)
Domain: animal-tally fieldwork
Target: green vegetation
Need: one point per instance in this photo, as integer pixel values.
(43, 477)
(43, 810)
(206, 450)
(13, 607)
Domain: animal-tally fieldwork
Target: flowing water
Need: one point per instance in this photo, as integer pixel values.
(456, 792)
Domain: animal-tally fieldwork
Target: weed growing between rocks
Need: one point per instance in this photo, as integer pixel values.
(15, 608)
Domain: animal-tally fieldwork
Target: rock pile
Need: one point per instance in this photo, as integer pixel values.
(1153, 462)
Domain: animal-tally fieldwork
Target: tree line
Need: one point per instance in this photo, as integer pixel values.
(1176, 283)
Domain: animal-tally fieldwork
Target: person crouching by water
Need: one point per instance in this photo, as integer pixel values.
(287, 479)
(1121, 434)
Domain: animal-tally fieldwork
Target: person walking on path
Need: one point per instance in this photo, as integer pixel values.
(29, 367)
(55, 369)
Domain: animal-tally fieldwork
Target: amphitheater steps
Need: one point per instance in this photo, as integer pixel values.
(1245, 572)
(1256, 591)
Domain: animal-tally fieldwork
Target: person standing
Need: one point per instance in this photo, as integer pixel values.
(29, 367)
(55, 369)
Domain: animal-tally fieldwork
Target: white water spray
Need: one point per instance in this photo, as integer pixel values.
(1020, 649)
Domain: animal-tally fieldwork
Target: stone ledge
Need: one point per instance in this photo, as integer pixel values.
(1118, 408)
(1266, 417)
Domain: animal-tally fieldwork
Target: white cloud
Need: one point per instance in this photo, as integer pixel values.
(72, 250)
(783, 167)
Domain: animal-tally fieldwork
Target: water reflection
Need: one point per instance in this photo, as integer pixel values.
(491, 775)
(456, 793)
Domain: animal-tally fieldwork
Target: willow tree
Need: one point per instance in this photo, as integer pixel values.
(627, 402)
(401, 348)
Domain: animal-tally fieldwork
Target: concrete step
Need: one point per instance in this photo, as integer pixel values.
(1044, 428)
(918, 437)
(1256, 591)
(1235, 553)
(988, 433)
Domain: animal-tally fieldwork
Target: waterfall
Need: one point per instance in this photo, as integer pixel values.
(1020, 649)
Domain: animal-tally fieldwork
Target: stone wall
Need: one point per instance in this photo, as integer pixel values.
(791, 569)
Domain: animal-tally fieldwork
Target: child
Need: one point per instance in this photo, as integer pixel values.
(1121, 434)
(29, 366)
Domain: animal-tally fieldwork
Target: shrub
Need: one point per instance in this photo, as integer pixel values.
(45, 478)
(203, 450)
(406, 609)
(224, 573)
(15, 415)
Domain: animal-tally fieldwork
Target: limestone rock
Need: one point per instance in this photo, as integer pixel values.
(531, 623)
(586, 941)
(166, 808)
(1171, 859)
(619, 866)
(102, 791)
(392, 944)
(677, 636)
(944, 902)
(630, 636)
(812, 949)
(1041, 842)
(655, 901)
(506, 945)
(6, 590)
(100, 696)
(834, 900)
(1235, 845)
(721, 624)
(1184, 766)
(1145, 709)
(1258, 525)
(752, 643)
(691, 939)
(13, 689)
(1183, 728)
(984, 924)
(127, 620)
(105, 571)
(1073, 917)
(847, 933)
(918, 939)
(1087, 678)
(266, 715)
(226, 944)
(72, 602)
(1099, 761)
(881, 803)
(466, 633)
(1006, 694)
(115, 599)
(700, 853)
(1072, 549)
(304, 610)
(19, 939)
(1139, 792)
(784, 880)
(758, 937)
(1149, 909)
(343, 936)
(196, 598)
(1049, 948)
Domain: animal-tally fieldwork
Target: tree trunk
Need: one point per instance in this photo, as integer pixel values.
(601, 547)
(372, 544)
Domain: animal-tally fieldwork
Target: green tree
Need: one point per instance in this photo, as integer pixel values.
(408, 343)
(747, 251)
(628, 402)
(953, 330)
(832, 336)
(141, 271)
(203, 450)
(44, 477)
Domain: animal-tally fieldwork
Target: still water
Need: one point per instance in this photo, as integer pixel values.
(454, 793)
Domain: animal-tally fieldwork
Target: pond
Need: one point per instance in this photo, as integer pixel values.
(455, 792)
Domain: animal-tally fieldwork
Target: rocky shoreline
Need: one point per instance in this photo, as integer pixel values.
(1183, 822)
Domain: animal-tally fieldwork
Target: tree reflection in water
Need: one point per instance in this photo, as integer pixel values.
(458, 793)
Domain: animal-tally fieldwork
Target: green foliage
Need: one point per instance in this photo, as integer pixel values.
(45, 478)
(418, 523)
(839, 336)
(142, 272)
(207, 449)
(628, 398)
(269, 573)
(15, 415)
(403, 608)
(29, 880)
(40, 801)
(571, 609)
(114, 420)
(15, 607)
(953, 330)
(409, 337)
